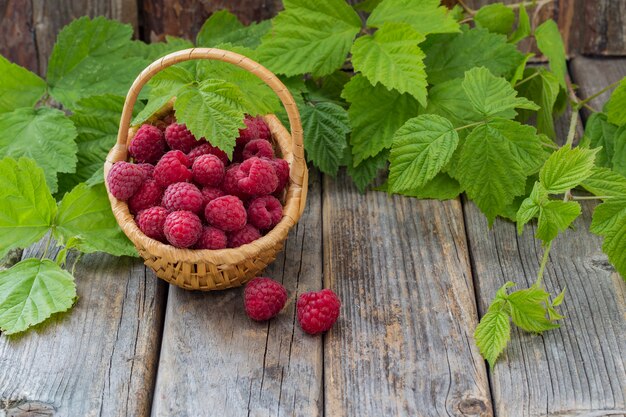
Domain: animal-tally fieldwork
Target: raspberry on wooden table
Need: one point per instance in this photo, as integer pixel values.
(173, 167)
(265, 212)
(212, 238)
(259, 148)
(245, 235)
(226, 213)
(259, 177)
(125, 179)
(148, 195)
(207, 149)
(263, 298)
(148, 144)
(182, 228)
(183, 196)
(178, 137)
(208, 170)
(318, 311)
(256, 128)
(151, 222)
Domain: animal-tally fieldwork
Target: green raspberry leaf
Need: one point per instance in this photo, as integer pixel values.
(528, 310)
(152, 51)
(375, 114)
(493, 332)
(31, 291)
(93, 57)
(45, 135)
(493, 96)
(566, 168)
(426, 16)
(529, 208)
(495, 18)
(310, 37)
(442, 187)
(616, 105)
(543, 89)
(85, 213)
(609, 221)
(27, 209)
(19, 88)
(466, 50)
(364, 173)
(550, 44)
(602, 134)
(391, 57)
(214, 110)
(604, 182)
(449, 100)
(523, 26)
(325, 128)
(421, 147)
(224, 27)
(555, 216)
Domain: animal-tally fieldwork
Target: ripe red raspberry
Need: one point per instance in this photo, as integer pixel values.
(183, 196)
(246, 234)
(259, 177)
(255, 129)
(182, 228)
(208, 170)
(124, 179)
(212, 238)
(265, 212)
(318, 311)
(263, 298)
(151, 221)
(282, 172)
(206, 149)
(226, 213)
(148, 169)
(231, 181)
(259, 148)
(173, 167)
(178, 137)
(148, 144)
(148, 195)
(210, 193)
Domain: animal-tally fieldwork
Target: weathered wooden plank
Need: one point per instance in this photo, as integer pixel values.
(49, 17)
(215, 361)
(98, 359)
(578, 369)
(17, 33)
(403, 344)
(185, 17)
(594, 74)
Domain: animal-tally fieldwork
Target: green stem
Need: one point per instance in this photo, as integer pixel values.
(599, 93)
(465, 7)
(542, 267)
(548, 145)
(572, 127)
(80, 255)
(591, 197)
(470, 125)
(45, 251)
(530, 77)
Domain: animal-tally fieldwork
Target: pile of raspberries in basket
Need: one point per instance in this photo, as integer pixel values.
(187, 193)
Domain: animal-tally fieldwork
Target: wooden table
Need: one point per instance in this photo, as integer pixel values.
(414, 277)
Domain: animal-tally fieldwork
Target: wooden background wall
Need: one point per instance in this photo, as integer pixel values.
(28, 28)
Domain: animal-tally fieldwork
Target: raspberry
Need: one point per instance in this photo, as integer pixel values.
(151, 222)
(226, 213)
(318, 311)
(211, 238)
(282, 172)
(242, 236)
(182, 228)
(211, 193)
(263, 298)
(208, 170)
(124, 179)
(148, 195)
(255, 129)
(231, 181)
(183, 196)
(205, 149)
(148, 169)
(259, 148)
(178, 137)
(173, 167)
(148, 144)
(259, 177)
(265, 212)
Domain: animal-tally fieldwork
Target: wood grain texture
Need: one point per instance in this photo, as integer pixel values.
(50, 16)
(403, 343)
(593, 74)
(578, 369)
(185, 17)
(97, 360)
(17, 33)
(215, 361)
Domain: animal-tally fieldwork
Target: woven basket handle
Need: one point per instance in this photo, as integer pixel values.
(218, 55)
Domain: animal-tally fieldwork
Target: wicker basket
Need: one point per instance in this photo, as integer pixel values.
(225, 268)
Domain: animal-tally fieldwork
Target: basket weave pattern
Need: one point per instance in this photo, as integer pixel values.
(225, 268)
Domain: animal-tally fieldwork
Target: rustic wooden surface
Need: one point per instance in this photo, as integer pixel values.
(403, 346)
(217, 362)
(17, 34)
(98, 360)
